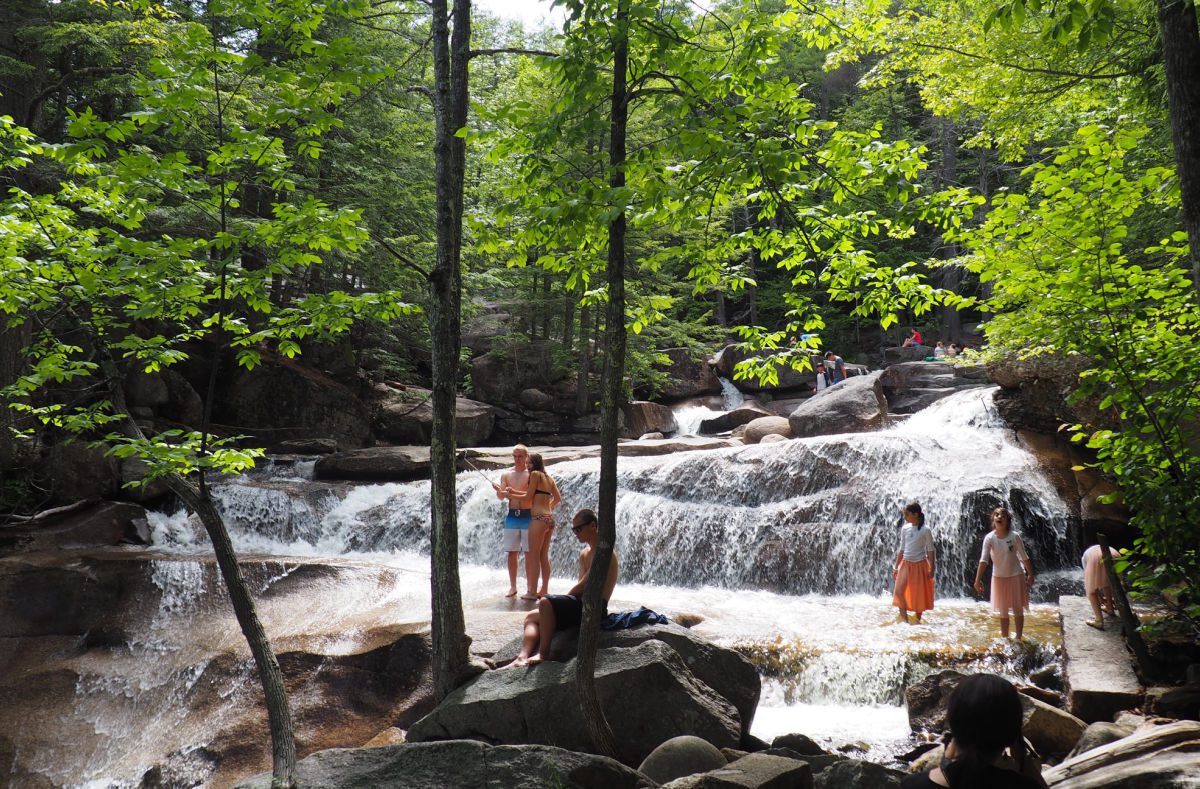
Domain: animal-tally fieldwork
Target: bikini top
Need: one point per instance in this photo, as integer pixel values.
(539, 491)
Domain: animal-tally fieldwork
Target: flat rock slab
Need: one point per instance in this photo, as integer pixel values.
(1098, 668)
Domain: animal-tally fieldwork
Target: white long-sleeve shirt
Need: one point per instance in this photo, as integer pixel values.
(916, 544)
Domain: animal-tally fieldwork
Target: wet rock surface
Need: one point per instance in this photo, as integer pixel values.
(1098, 668)
(855, 405)
(535, 704)
(459, 763)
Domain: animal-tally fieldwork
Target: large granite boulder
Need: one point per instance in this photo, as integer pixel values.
(643, 416)
(926, 700)
(758, 429)
(647, 692)
(91, 525)
(728, 358)
(912, 386)
(458, 763)
(856, 774)
(726, 671)
(1069, 467)
(1153, 757)
(283, 399)
(375, 464)
(1035, 392)
(405, 416)
(906, 353)
(743, 414)
(856, 405)
(1099, 734)
(80, 471)
(690, 376)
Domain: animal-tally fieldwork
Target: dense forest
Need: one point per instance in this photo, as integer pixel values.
(214, 187)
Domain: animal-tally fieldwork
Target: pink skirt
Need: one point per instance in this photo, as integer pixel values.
(918, 587)
(1009, 594)
(1095, 577)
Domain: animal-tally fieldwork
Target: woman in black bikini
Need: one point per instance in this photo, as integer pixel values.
(541, 528)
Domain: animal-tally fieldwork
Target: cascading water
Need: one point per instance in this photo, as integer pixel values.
(783, 549)
(689, 417)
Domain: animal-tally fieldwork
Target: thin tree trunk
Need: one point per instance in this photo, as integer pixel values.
(951, 278)
(1129, 621)
(450, 59)
(613, 383)
(279, 713)
(1181, 56)
(582, 395)
(12, 341)
(568, 321)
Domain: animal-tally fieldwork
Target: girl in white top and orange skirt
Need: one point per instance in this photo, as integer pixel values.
(1010, 586)
(914, 566)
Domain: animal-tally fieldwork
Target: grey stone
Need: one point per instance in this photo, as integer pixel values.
(855, 405)
(800, 743)
(463, 764)
(724, 670)
(857, 774)
(377, 464)
(1052, 731)
(739, 416)
(406, 417)
(1098, 734)
(308, 446)
(146, 389)
(651, 437)
(1098, 669)
(681, 756)
(536, 399)
(756, 771)
(773, 438)
(689, 376)
(926, 700)
(97, 524)
(538, 705)
(643, 416)
(758, 429)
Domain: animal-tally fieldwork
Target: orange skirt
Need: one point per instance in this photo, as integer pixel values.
(1009, 594)
(917, 585)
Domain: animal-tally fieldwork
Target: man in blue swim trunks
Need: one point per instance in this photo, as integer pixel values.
(516, 522)
(564, 611)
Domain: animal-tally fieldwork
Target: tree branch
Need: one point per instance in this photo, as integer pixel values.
(512, 51)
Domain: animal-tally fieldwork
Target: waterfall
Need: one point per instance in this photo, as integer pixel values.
(733, 396)
(812, 515)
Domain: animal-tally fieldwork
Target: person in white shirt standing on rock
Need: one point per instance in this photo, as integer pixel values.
(1010, 586)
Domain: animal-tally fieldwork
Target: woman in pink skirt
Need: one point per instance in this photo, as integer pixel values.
(1095, 583)
(913, 574)
(1010, 587)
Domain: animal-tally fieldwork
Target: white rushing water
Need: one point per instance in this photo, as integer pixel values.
(783, 549)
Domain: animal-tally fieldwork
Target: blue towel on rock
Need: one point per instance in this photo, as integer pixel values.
(623, 620)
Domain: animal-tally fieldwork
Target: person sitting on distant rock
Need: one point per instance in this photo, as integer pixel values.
(1095, 583)
(835, 367)
(984, 714)
(952, 350)
(914, 338)
(564, 611)
(939, 350)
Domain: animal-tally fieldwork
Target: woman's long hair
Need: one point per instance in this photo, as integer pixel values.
(915, 509)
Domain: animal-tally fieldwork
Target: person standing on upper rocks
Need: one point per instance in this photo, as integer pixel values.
(514, 486)
(835, 367)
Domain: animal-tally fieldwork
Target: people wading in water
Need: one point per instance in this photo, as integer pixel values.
(1005, 550)
(514, 486)
(913, 590)
(543, 493)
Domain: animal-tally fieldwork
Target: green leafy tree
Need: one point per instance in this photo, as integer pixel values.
(182, 225)
(1069, 276)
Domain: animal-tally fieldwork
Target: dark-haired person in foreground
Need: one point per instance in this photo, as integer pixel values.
(984, 713)
(564, 611)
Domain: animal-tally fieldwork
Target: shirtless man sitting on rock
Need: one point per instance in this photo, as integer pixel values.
(564, 611)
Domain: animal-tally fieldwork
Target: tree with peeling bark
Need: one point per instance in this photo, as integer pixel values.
(154, 251)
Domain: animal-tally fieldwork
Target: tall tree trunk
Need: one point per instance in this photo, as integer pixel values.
(279, 712)
(583, 398)
(951, 278)
(451, 52)
(611, 391)
(568, 321)
(12, 340)
(1181, 55)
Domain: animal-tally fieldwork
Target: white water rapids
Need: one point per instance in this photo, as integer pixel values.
(784, 549)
